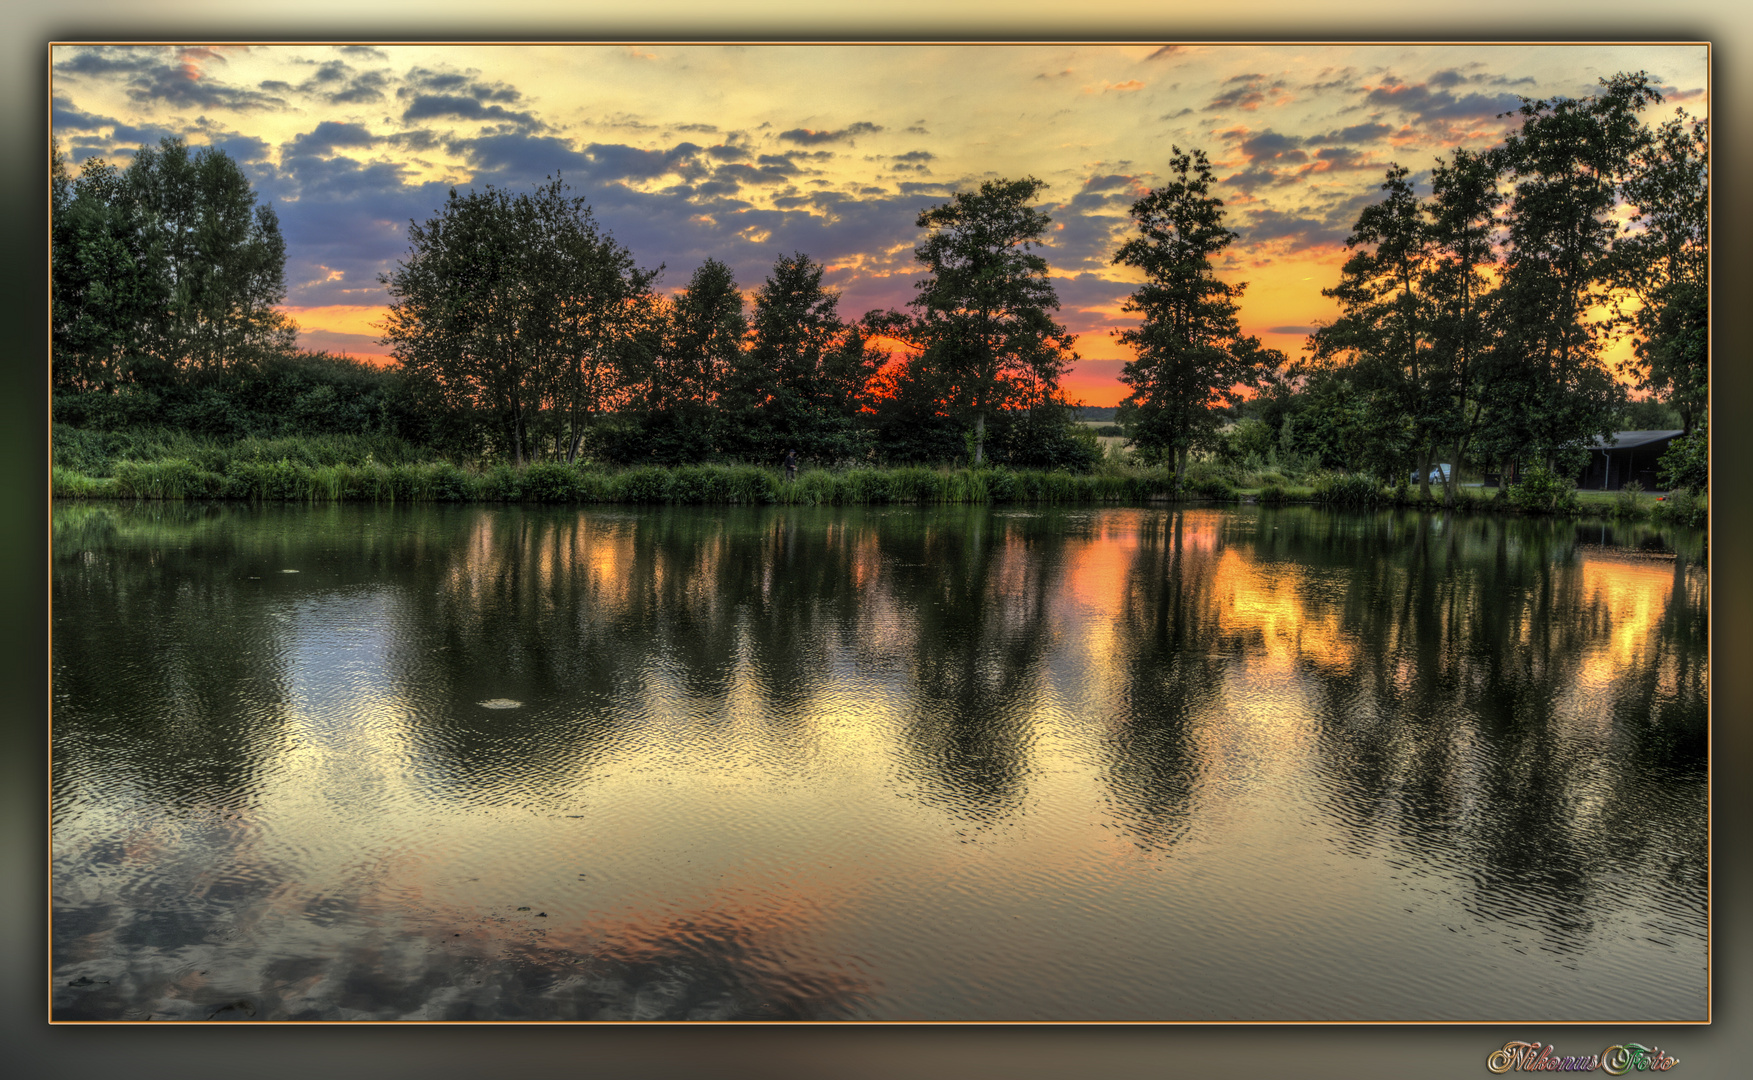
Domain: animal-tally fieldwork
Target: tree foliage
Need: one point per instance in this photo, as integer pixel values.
(517, 306)
(1662, 265)
(801, 382)
(167, 268)
(983, 311)
(1191, 357)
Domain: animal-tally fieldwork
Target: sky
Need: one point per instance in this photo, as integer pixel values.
(748, 153)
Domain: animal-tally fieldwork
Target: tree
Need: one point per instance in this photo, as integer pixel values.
(107, 293)
(167, 267)
(516, 305)
(223, 259)
(692, 344)
(1191, 356)
(1663, 265)
(801, 382)
(1567, 161)
(1463, 206)
(1383, 328)
(982, 318)
(602, 303)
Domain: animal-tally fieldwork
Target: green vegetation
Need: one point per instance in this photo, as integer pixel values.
(536, 361)
(1192, 360)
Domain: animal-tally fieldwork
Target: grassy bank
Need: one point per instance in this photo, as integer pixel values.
(285, 480)
(168, 464)
(553, 482)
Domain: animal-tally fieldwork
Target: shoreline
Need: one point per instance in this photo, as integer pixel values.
(556, 483)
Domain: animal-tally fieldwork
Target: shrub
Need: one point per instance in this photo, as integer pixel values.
(1682, 506)
(502, 482)
(70, 484)
(1345, 489)
(866, 487)
(645, 484)
(1628, 501)
(1686, 462)
(266, 480)
(551, 482)
(1542, 491)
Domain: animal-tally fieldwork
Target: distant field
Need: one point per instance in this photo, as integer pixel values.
(1107, 441)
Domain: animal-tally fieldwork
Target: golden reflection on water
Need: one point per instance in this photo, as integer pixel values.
(1629, 595)
(754, 740)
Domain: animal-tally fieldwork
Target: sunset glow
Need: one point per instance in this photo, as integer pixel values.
(747, 153)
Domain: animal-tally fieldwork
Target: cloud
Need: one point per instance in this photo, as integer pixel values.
(1423, 103)
(749, 174)
(1248, 93)
(456, 84)
(807, 137)
(175, 77)
(362, 50)
(330, 135)
(429, 106)
(1106, 87)
(1269, 145)
(65, 116)
(1356, 133)
(1290, 330)
(109, 60)
(339, 84)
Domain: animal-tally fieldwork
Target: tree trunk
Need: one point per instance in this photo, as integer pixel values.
(1453, 481)
(979, 437)
(1424, 464)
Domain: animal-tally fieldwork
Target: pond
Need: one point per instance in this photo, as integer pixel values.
(897, 763)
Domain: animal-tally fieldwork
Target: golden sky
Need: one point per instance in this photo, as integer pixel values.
(746, 153)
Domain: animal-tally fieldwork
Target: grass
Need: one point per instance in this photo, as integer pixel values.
(170, 466)
(286, 480)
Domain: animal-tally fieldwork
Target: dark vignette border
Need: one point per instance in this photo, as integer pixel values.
(34, 1049)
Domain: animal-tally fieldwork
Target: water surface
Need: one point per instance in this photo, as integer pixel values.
(891, 763)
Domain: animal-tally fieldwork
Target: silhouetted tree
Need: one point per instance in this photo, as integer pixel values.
(982, 314)
(1191, 356)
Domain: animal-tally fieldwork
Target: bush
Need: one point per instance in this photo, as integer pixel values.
(645, 484)
(1345, 489)
(1542, 491)
(1682, 507)
(1628, 501)
(551, 482)
(1686, 463)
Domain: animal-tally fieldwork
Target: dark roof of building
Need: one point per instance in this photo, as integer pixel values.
(1624, 440)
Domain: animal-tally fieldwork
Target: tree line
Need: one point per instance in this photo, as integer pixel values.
(1473, 320)
(1471, 328)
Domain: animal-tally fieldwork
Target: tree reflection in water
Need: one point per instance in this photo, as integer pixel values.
(747, 741)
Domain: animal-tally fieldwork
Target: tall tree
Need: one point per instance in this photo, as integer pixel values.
(108, 294)
(801, 382)
(1191, 357)
(168, 266)
(224, 260)
(1382, 332)
(1663, 264)
(1567, 162)
(983, 312)
(703, 332)
(512, 305)
(601, 302)
(1463, 206)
